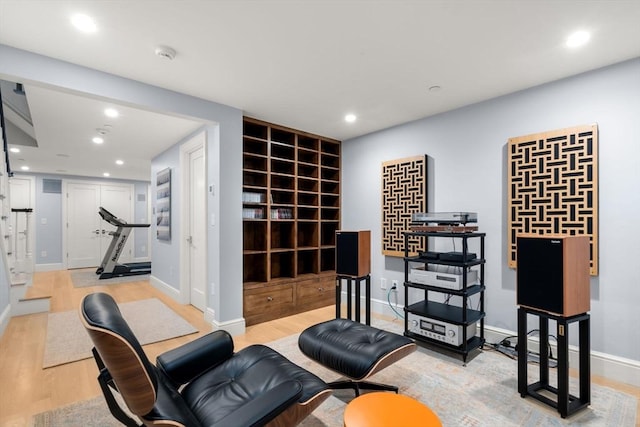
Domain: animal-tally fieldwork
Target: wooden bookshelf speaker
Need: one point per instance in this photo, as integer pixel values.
(353, 253)
(553, 273)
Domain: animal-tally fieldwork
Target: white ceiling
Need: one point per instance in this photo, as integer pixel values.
(307, 63)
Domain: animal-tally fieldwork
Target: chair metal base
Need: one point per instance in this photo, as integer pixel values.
(361, 385)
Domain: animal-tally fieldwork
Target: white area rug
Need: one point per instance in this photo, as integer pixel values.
(150, 320)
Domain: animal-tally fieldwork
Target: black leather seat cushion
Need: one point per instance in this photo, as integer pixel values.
(246, 376)
(348, 347)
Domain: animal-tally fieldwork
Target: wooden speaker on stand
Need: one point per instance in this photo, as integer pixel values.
(353, 253)
(553, 273)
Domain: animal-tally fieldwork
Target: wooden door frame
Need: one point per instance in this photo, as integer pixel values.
(65, 189)
(198, 140)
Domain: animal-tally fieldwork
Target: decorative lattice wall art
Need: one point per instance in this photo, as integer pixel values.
(553, 186)
(404, 191)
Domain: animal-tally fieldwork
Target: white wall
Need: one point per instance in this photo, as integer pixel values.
(467, 148)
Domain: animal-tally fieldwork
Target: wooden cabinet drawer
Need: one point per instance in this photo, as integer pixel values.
(312, 290)
(266, 299)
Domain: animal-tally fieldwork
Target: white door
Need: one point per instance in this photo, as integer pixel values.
(197, 228)
(84, 233)
(87, 234)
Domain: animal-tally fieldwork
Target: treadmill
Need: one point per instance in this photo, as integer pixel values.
(109, 267)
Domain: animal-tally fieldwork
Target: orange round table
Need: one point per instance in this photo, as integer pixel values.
(388, 409)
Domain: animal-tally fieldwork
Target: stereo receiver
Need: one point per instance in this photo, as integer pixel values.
(438, 330)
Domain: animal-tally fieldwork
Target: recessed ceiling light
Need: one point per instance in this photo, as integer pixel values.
(98, 140)
(24, 168)
(119, 162)
(350, 118)
(111, 112)
(84, 23)
(577, 39)
(106, 174)
(14, 150)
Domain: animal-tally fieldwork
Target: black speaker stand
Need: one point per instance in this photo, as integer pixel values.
(565, 403)
(367, 300)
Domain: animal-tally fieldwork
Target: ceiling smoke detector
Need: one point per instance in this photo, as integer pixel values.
(166, 52)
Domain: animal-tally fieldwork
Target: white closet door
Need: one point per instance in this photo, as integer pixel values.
(87, 234)
(84, 232)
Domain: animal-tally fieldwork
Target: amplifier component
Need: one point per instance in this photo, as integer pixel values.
(443, 280)
(438, 330)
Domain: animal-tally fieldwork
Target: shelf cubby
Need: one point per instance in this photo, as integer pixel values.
(284, 182)
(254, 236)
(254, 178)
(308, 142)
(282, 235)
(328, 233)
(307, 234)
(305, 213)
(255, 268)
(330, 174)
(330, 201)
(282, 264)
(282, 136)
(309, 185)
(328, 259)
(330, 214)
(307, 199)
(307, 262)
(255, 130)
(307, 171)
(329, 187)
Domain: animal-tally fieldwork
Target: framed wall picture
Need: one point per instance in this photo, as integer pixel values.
(163, 205)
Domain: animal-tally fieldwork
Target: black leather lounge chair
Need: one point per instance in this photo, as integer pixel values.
(202, 383)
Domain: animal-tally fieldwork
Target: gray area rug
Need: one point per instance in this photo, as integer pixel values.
(87, 277)
(151, 321)
(482, 394)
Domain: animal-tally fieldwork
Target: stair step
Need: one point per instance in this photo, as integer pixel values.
(31, 306)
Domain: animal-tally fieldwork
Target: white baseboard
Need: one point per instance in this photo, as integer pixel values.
(165, 288)
(49, 267)
(5, 316)
(210, 315)
(234, 327)
(605, 365)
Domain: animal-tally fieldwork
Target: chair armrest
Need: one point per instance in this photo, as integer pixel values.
(259, 411)
(184, 363)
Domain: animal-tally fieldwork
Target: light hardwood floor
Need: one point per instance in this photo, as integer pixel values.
(27, 389)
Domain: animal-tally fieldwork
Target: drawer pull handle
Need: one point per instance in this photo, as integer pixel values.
(321, 289)
(269, 298)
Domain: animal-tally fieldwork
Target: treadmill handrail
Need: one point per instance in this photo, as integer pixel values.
(114, 220)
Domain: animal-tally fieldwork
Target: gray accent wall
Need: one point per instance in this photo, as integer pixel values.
(467, 149)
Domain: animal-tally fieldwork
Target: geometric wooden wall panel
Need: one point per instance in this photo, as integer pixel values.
(553, 186)
(404, 192)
